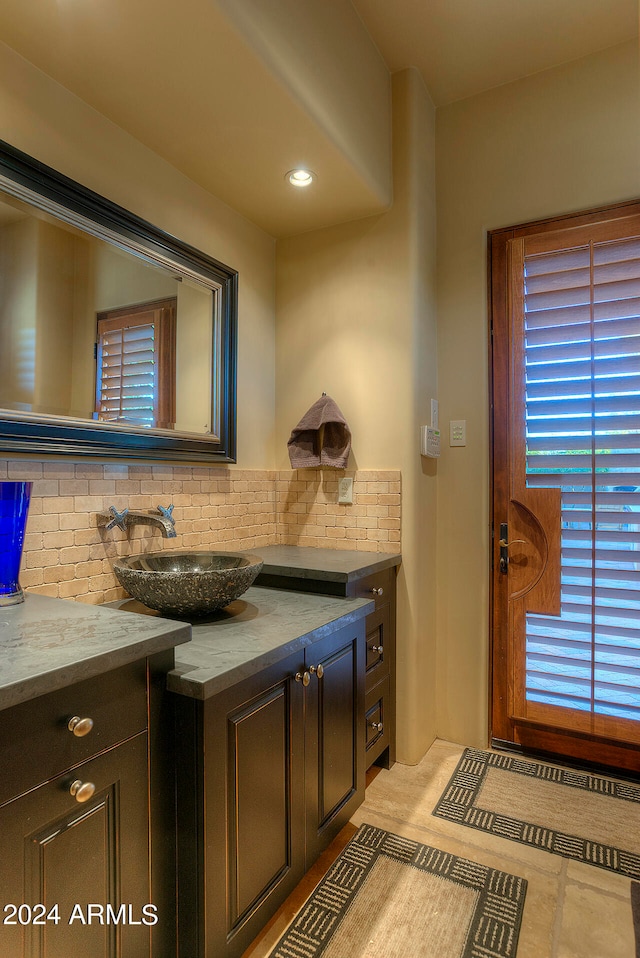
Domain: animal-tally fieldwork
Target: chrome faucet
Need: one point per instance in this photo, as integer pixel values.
(163, 518)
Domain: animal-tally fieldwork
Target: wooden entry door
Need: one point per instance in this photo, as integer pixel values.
(565, 302)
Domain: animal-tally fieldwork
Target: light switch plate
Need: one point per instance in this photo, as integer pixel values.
(345, 490)
(458, 432)
(435, 423)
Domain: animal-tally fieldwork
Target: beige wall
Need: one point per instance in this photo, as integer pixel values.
(37, 265)
(18, 276)
(567, 139)
(54, 318)
(355, 318)
(194, 348)
(40, 117)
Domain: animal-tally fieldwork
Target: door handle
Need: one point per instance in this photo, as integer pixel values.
(504, 547)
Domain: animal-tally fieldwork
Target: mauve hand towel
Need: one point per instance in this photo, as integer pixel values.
(321, 438)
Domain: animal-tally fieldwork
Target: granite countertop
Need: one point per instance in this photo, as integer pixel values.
(334, 565)
(47, 644)
(260, 628)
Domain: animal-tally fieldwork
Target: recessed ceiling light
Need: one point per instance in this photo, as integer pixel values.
(300, 177)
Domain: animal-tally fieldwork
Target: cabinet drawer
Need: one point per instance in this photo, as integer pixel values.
(378, 586)
(35, 739)
(377, 649)
(377, 720)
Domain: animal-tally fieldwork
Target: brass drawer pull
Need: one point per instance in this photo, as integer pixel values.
(80, 726)
(303, 677)
(82, 791)
(377, 726)
(377, 591)
(317, 670)
(377, 648)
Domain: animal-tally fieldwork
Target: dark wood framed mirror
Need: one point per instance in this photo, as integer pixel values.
(68, 258)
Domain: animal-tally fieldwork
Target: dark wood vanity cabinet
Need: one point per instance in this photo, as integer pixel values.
(285, 571)
(69, 856)
(269, 770)
(75, 816)
(380, 668)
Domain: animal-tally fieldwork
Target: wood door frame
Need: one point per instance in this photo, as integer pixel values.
(503, 731)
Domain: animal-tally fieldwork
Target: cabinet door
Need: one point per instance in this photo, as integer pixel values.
(246, 796)
(334, 735)
(58, 851)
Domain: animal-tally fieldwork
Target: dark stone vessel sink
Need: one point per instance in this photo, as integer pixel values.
(187, 583)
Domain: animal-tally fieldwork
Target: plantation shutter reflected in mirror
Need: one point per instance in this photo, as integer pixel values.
(135, 365)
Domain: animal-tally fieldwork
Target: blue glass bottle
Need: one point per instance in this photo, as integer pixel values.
(14, 505)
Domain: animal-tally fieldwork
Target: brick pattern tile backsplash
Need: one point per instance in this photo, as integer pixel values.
(67, 555)
(308, 513)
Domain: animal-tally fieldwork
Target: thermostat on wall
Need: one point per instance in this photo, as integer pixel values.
(429, 442)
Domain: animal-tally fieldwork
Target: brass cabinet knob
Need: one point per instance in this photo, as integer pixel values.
(303, 677)
(377, 591)
(376, 648)
(317, 670)
(80, 726)
(82, 791)
(377, 726)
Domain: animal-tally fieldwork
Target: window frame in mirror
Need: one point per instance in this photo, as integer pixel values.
(48, 435)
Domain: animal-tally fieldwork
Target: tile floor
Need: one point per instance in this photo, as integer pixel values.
(571, 911)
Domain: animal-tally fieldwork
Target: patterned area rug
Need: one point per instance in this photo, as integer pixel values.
(574, 814)
(390, 897)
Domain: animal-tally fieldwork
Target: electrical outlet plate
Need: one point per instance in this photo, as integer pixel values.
(345, 490)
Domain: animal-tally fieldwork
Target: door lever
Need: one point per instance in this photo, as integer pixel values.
(504, 547)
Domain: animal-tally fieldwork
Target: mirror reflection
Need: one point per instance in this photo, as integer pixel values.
(93, 332)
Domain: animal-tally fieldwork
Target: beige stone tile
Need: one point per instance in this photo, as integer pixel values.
(102, 487)
(595, 925)
(606, 881)
(410, 793)
(24, 469)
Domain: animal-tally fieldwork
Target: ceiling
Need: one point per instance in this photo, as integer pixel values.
(464, 47)
(192, 89)
(195, 91)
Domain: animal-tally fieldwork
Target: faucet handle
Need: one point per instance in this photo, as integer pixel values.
(119, 519)
(167, 513)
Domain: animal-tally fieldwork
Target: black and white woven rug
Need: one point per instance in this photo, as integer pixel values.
(390, 897)
(575, 814)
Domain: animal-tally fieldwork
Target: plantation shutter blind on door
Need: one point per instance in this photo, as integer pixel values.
(582, 408)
